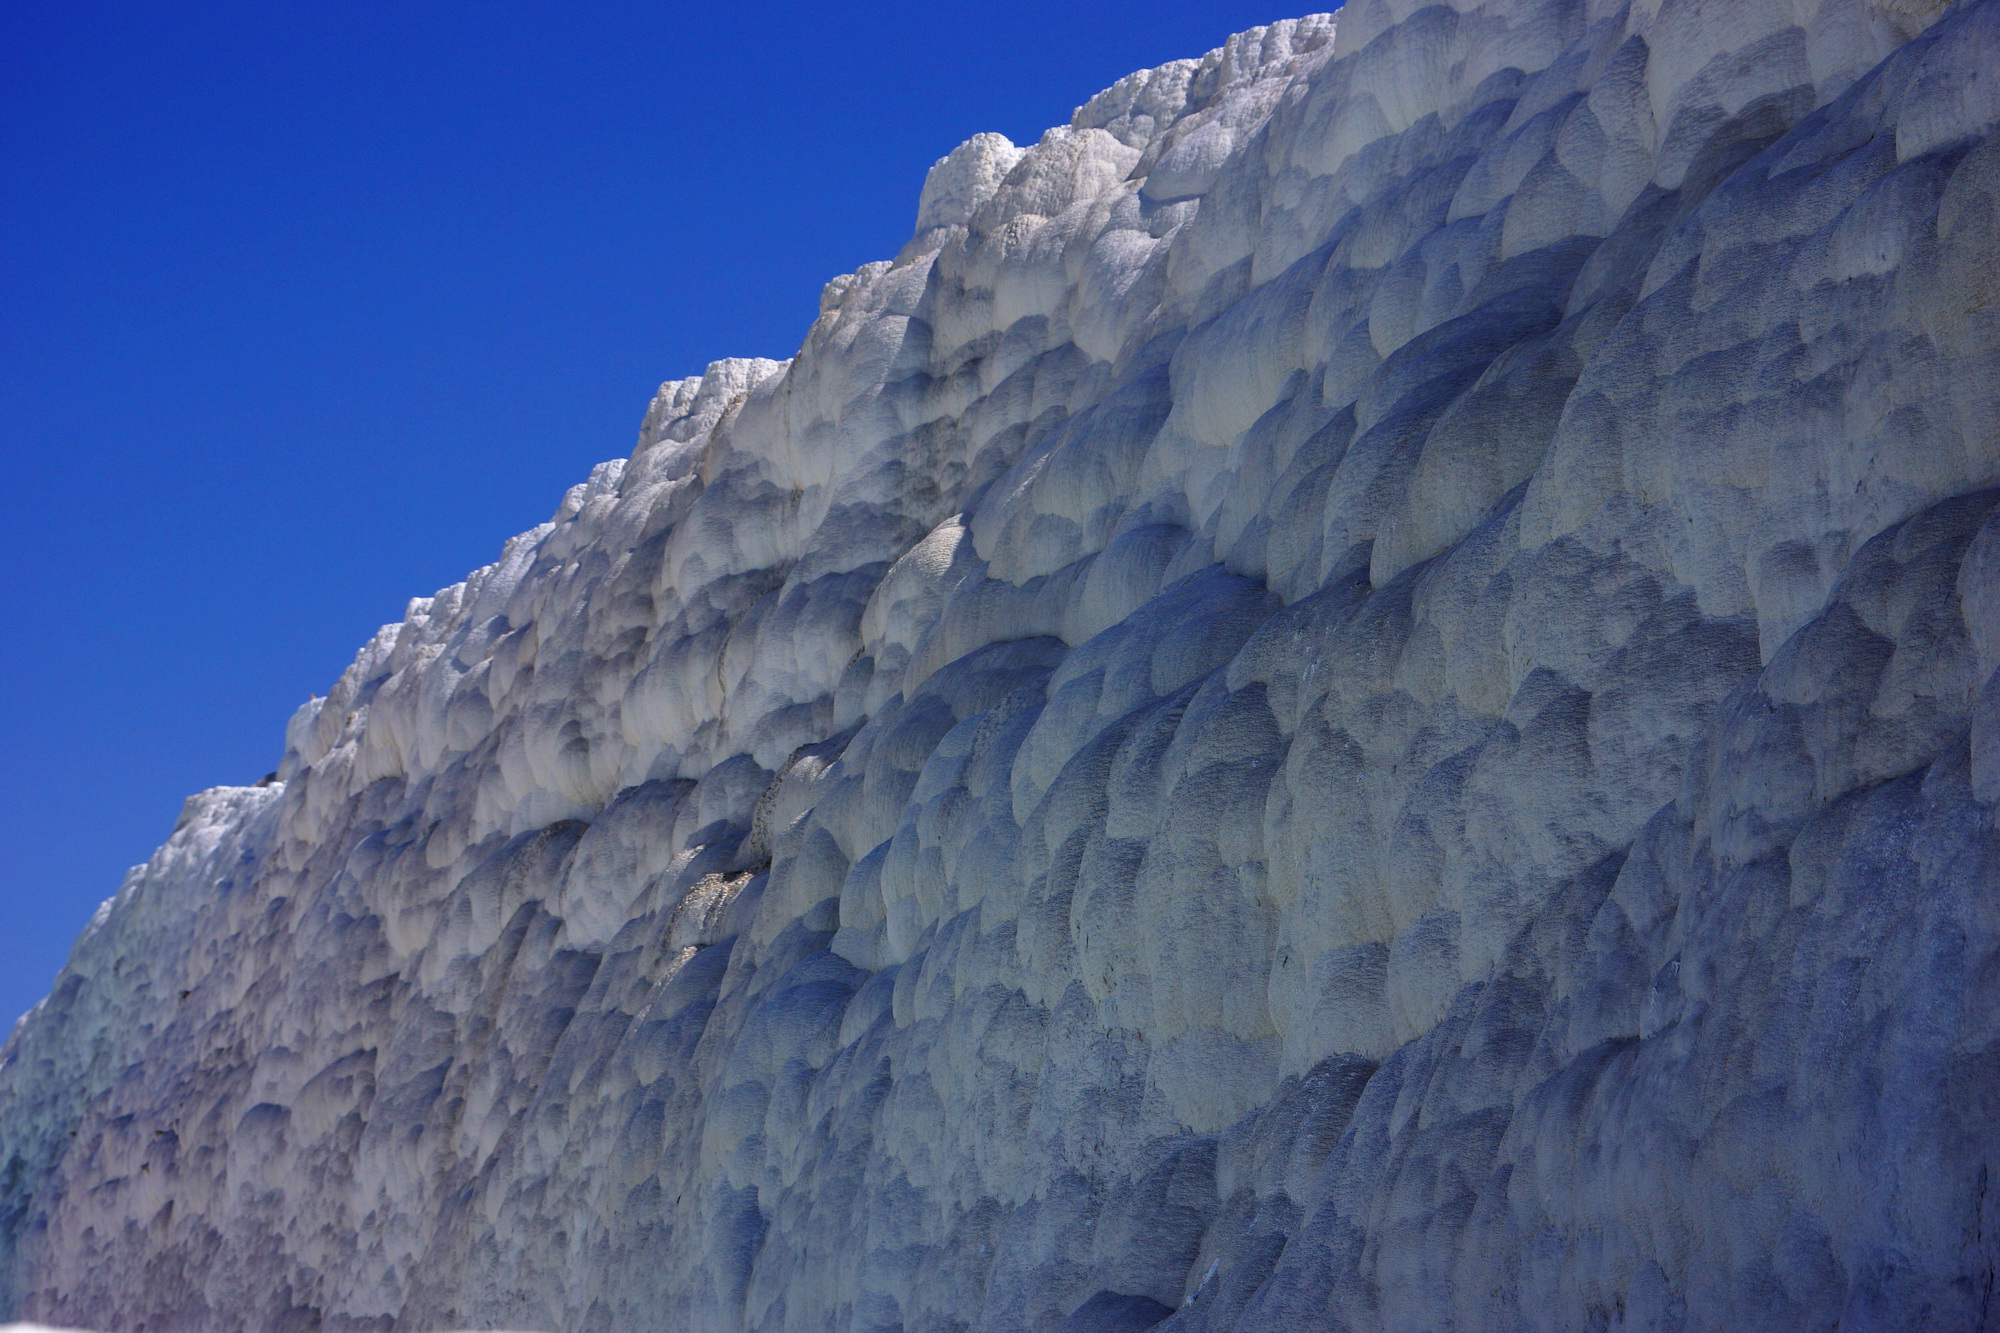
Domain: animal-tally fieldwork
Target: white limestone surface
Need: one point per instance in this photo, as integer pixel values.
(1358, 693)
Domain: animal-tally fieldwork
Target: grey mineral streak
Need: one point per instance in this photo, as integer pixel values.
(1358, 694)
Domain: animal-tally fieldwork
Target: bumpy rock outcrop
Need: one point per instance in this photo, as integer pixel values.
(1359, 693)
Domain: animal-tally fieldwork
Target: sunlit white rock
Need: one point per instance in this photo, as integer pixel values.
(1359, 691)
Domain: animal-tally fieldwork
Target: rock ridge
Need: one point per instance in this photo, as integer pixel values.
(1358, 692)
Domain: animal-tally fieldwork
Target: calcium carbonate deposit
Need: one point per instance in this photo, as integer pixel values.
(1359, 693)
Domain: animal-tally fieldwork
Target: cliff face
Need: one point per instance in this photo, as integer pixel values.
(1359, 693)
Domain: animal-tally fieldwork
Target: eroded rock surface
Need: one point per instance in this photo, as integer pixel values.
(1359, 693)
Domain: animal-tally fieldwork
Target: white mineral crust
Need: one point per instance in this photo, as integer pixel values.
(1358, 693)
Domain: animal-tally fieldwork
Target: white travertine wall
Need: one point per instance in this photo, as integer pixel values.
(1359, 693)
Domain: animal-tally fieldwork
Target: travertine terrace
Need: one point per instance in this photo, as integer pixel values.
(1358, 693)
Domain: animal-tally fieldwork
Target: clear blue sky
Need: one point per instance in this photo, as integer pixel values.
(306, 305)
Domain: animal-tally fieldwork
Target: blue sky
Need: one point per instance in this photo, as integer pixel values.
(306, 305)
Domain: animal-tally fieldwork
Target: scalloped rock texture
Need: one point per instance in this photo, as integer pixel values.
(1358, 694)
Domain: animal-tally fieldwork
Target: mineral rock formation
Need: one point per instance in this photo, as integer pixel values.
(1358, 693)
